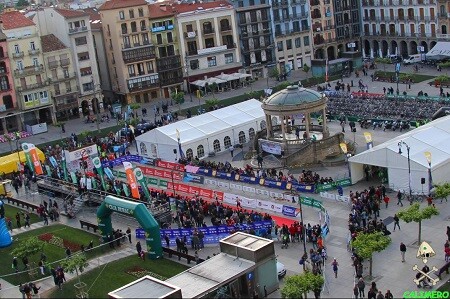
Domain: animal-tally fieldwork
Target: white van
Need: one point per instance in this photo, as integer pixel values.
(413, 59)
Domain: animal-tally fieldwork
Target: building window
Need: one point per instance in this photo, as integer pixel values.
(289, 44)
(140, 12)
(131, 71)
(131, 12)
(298, 42)
(35, 62)
(280, 46)
(79, 41)
(159, 39)
(216, 146)
(143, 26)
(251, 2)
(88, 86)
(86, 71)
(227, 142)
(169, 37)
(306, 41)
(251, 133)
(19, 65)
(189, 154)
(200, 151)
(209, 42)
(121, 15)
(32, 46)
(145, 39)
(212, 61)
(193, 64)
(229, 58)
(242, 138)
(83, 56)
(16, 49)
(150, 68)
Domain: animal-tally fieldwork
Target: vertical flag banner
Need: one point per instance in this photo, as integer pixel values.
(64, 167)
(126, 190)
(343, 147)
(131, 179)
(74, 177)
(109, 173)
(49, 172)
(26, 150)
(30, 151)
(368, 137)
(98, 166)
(141, 180)
(326, 71)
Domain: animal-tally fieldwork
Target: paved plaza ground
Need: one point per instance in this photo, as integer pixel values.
(389, 271)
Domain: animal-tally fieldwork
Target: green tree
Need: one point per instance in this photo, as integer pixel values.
(274, 73)
(134, 107)
(415, 214)
(406, 77)
(368, 243)
(442, 78)
(298, 286)
(211, 103)
(383, 61)
(212, 88)
(442, 191)
(83, 135)
(22, 3)
(75, 263)
(306, 68)
(178, 98)
(28, 247)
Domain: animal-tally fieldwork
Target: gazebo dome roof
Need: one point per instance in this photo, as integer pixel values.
(293, 95)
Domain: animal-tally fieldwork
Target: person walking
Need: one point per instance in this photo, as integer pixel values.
(361, 287)
(356, 291)
(388, 295)
(386, 200)
(231, 148)
(396, 222)
(138, 248)
(335, 265)
(399, 198)
(128, 232)
(402, 251)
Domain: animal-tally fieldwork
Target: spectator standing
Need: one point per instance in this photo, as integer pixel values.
(396, 222)
(402, 251)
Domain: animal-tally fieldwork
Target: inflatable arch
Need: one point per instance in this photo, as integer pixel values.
(137, 210)
(5, 236)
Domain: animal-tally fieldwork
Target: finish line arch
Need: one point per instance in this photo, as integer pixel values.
(148, 223)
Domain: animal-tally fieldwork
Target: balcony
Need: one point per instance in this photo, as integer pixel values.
(77, 29)
(52, 64)
(33, 52)
(29, 71)
(208, 31)
(316, 15)
(140, 53)
(143, 83)
(65, 77)
(32, 86)
(168, 63)
(18, 55)
(171, 81)
(190, 34)
(225, 28)
(143, 28)
(65, 62)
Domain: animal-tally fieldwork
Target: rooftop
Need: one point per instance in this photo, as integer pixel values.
(117, 4)
(140, 289)
(71, 13)
(51, 43)
(247, 241)
(14, 19)
(94, 18)
(160, 10)
(292, 96)
(187, 7)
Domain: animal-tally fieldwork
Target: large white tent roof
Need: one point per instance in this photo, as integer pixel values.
(433, 137)
(201, 126)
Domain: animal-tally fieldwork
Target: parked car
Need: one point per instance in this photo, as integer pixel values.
(281, 270)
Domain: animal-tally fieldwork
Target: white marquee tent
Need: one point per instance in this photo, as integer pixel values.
(433, 137)
(214, 131)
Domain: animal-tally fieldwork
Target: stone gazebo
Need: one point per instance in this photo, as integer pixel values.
(297, 139)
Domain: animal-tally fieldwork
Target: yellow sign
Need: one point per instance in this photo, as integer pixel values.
(343, 147)
(368, 137)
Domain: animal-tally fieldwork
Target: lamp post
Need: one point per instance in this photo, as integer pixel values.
(303, 236)
(430, 179)
(400, 144)
(186, 69)
(17, 147)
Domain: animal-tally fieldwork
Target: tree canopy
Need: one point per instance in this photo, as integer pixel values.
(415, 214)
(75, 263)
(297, 286)
(442, 190)
(28, 247)
(368, 243)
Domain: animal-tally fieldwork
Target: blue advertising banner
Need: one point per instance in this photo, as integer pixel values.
(212, 234)
(290, 211)
(193, 178)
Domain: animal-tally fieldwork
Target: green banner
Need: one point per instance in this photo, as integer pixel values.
(74, 177)
(152, 181)
(126, 190)
(311, 202)
(64, 167)
(331, 186)
(98, 166)
(49, 171)
(142, 182)
(26, 150)
(119, 174)
(162, 184)
(94, 183)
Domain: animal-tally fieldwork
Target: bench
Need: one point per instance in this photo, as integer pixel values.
(443, 269)
(180, 255)
(22, 203)
(89, 225)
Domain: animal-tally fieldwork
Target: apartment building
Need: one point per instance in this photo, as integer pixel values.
(130, 52)
(208, 39)
(100, 54)
(62, 77)
(292, 29)
(256, 36)
(8, 104)
(347, 20)
(165, 37)
(444, 20)
(73, 29)
(323, 29)
(401, 27)
(27, 64)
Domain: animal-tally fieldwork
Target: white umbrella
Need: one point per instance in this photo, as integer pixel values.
(226, 77)
(213, 80)
(200, 83)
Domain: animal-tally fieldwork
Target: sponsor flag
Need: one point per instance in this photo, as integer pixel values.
(326, 71)
(64, 167)
(98, 166)
(126, 190)
(30, 151)
(369, 142)
(343, 147)
(131, 179)
(109, 173)
(74, 177)
(141, 180)
(49, 172)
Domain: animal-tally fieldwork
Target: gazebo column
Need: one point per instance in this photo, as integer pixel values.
(308, 121)
(324, 123)
(268, 126)
(283, 128)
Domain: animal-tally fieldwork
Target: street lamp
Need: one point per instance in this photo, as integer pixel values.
(303, 236)
(400, 144)
(430, 179)
(17, 147)
(186, 69)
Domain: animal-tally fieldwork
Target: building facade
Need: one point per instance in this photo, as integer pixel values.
(8, 105)
(208, 39)
(292, 29)
(347, 20)
(130, 52)
(62, 77)
(30, 79)
(323, 29)
(401, 27)
(256, 36)
(444, 20)
(165, 37)
(73, 29)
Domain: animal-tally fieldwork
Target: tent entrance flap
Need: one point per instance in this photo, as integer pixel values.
(440, 51)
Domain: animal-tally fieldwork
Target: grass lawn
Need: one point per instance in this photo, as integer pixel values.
(114, 275)
(417, 78)
(445, 287)
(53, 252)
(11, 211)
